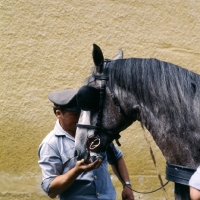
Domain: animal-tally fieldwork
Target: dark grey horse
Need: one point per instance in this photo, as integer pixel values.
(164, 97)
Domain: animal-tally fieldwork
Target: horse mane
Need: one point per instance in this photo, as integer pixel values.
(167, 90)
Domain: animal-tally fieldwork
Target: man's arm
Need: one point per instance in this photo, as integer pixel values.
(62, 182)
(127, 192)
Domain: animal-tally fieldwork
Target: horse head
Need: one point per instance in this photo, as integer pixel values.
(103, 117)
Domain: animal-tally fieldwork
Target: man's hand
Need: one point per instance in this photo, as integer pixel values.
(127, 194)
(81, 166)
(62, 182)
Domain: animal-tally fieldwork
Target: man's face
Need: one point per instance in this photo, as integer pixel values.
(68, 120)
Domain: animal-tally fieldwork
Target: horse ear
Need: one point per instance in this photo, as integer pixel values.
(120, 55)
(98, 58)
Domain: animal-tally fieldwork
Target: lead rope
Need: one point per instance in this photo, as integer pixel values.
(111, 152)
(155, 164)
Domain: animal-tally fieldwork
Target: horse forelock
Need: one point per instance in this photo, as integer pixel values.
(166, 90)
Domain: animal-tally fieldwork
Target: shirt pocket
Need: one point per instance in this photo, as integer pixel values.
(68, 159)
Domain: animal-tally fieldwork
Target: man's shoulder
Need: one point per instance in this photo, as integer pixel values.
(54, 140)
(50, 138)
(49, 142)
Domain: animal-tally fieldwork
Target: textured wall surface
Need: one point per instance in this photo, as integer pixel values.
(46, 45)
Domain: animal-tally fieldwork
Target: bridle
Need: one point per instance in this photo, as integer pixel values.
(98, 126)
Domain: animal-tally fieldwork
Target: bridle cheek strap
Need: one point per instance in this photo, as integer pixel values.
(86, 126)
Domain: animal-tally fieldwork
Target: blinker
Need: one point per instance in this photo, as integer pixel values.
(88, 98)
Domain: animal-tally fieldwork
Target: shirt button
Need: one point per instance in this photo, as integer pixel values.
(98, 194)
(95, 177)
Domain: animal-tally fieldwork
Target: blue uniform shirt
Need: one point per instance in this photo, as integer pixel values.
(56, 153)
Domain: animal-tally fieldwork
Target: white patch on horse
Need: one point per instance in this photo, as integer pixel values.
(83, 133)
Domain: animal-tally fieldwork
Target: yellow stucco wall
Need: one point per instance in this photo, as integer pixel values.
(46, 45)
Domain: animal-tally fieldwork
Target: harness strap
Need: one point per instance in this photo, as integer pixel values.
(98, 128)
(102, 94)
(86, 126)
(100, 77)
(179, 174)
(120, 110)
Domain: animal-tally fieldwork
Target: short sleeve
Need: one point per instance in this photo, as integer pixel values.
(50, 163)
(117, 152)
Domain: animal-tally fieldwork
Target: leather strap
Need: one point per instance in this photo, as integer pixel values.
(179, 174)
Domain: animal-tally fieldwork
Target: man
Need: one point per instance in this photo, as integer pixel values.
(63, 175)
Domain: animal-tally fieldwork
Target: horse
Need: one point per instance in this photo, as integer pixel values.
(163, 97)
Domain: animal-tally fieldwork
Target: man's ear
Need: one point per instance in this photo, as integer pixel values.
(58, 113)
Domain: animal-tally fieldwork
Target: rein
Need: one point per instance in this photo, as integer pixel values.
(112, 153)
(98, 126)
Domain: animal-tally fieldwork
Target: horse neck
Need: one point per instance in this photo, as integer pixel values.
(168, 128)
(176, 149)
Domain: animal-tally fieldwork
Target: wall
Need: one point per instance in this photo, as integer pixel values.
(46, 45)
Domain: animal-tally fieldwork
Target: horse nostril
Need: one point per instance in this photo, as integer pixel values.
(75, 153)
(86, 157)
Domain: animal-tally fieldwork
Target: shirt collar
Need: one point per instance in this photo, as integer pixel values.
(60, 132)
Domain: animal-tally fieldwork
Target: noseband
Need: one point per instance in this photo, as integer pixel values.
(98, 127)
